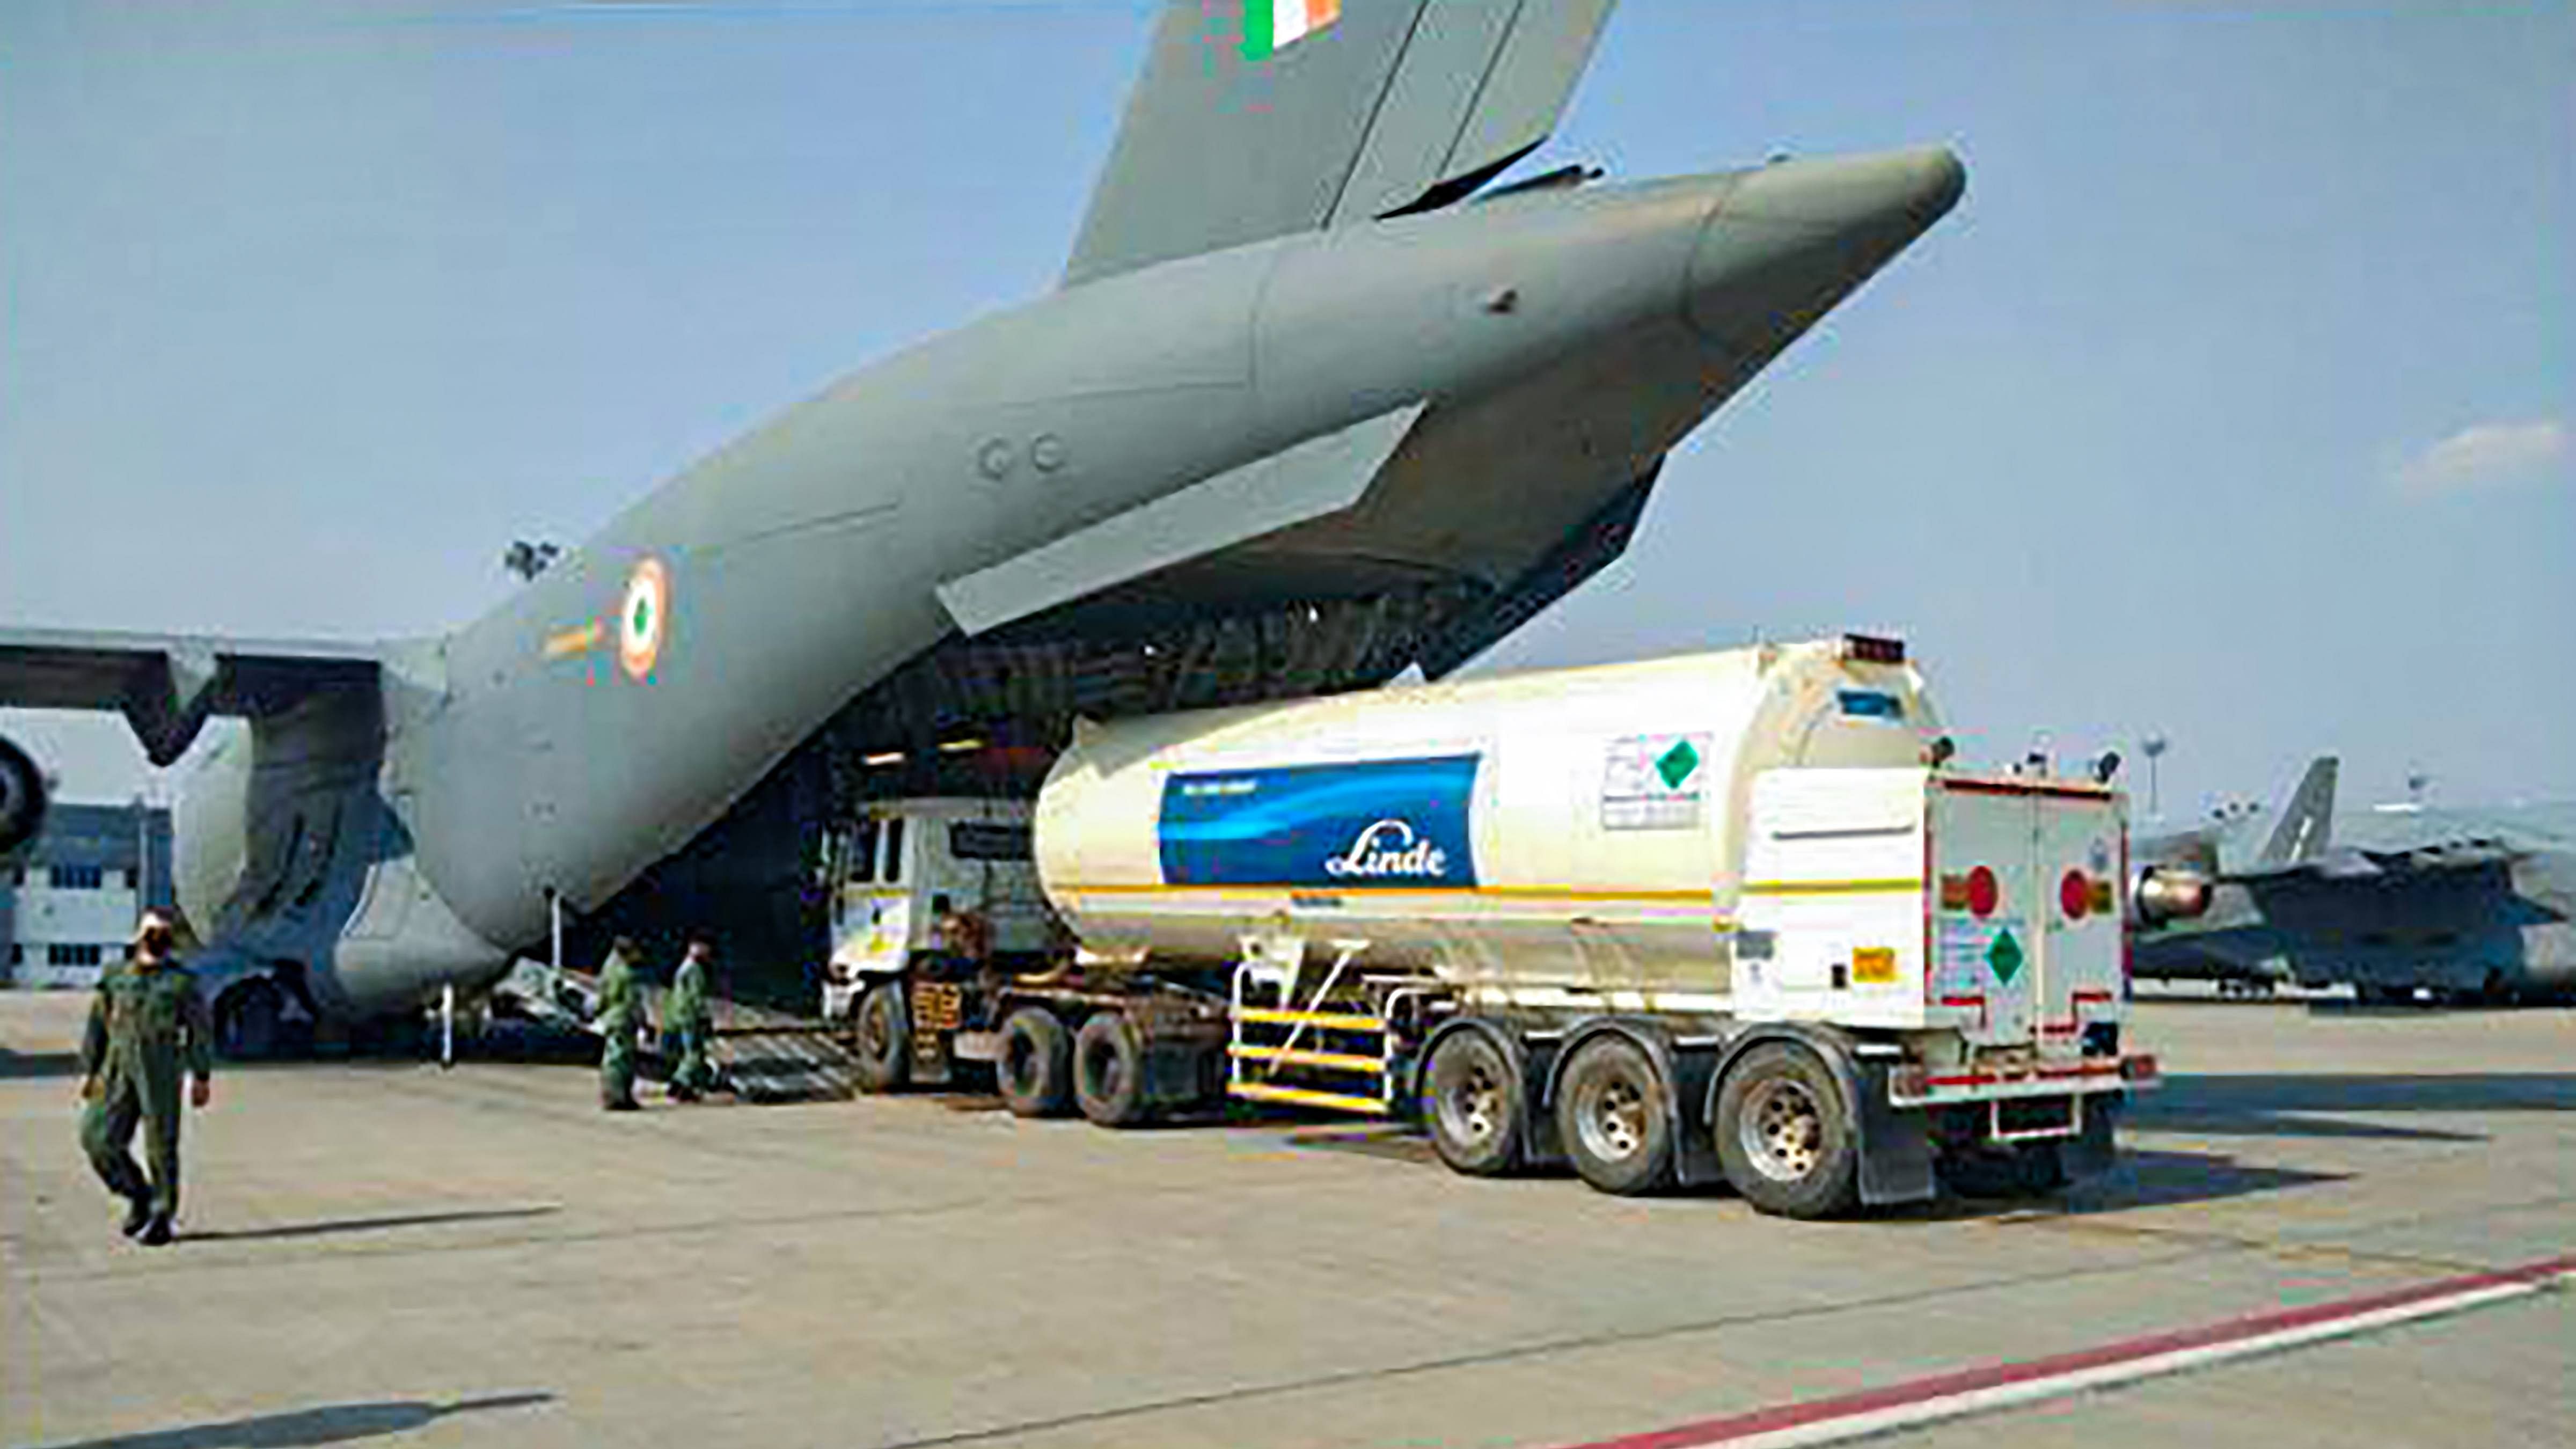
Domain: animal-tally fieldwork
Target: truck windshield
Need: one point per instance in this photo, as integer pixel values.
(986, 840)
(861, 851)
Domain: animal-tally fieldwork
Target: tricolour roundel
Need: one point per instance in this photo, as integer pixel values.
(643, 618)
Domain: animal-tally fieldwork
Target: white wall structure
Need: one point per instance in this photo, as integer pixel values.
(68, 908)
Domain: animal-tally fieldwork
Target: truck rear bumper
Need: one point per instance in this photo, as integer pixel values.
(1911, 1087)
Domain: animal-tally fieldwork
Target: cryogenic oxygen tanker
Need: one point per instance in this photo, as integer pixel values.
(1579, 827)
(1734, 916)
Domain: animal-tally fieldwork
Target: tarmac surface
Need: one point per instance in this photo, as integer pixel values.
(381, 1253)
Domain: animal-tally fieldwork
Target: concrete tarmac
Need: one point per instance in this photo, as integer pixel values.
(382, 1253)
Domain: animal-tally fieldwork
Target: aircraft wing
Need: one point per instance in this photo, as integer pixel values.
(166, 685)
(1267, 117)
(2347, 863)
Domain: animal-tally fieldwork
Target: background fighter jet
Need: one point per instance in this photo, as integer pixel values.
(2456, 904)
(1316, 402)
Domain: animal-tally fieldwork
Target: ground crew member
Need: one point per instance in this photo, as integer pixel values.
(620, 1015)
(147, 1020)
(687, 1023)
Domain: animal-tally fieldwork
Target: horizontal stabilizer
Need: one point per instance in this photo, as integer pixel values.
(1240, 130)
(1319, 476)
(166, 685)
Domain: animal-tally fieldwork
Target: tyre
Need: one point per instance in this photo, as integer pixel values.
(1614, 1117)
(1476, 1105)
(1035, 1074)
(1109, 1070)
(1784, 1135)
(250, 1021)
(881, 1032)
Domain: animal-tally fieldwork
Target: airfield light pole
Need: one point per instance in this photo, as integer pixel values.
(2154, 746)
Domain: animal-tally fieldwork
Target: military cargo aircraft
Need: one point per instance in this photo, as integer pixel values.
(2423, 905)
(1320, 398)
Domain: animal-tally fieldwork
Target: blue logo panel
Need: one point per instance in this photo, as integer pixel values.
(1871, 704)
(1375, 824)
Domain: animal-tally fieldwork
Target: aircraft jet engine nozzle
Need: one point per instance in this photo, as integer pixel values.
(22, 798)
(2163, 894)
(1790, 240)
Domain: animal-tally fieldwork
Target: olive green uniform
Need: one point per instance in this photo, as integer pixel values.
(621, 1014)
(147, 1022)
(687, 1022)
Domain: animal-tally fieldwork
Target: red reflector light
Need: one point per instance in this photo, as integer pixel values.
(2139, 1069)
(1872, 649)
(1984, 894)
(2075, 895)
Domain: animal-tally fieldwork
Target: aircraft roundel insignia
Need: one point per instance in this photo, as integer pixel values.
(643, 619)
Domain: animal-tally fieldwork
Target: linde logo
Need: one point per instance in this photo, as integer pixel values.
(1391, 847)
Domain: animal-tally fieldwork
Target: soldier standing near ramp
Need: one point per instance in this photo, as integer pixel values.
(687, 1022)
(147, 1021)
(620, 1015)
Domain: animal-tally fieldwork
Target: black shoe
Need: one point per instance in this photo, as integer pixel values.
(157, 1231)
(629, 1105)
(138, 1215)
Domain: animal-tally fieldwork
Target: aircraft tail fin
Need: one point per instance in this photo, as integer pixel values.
(1257, 118)
(2307, 826)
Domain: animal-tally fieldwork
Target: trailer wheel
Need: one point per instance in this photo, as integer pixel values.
(1783, 1134)
(1109, 1070)
(882, 1033)
(1035, 1072)
(1476, 1105)
(1614, 1115)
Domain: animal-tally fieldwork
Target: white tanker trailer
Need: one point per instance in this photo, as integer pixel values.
(1725, 916)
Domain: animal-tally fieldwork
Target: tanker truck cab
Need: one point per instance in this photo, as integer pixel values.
(897, 867)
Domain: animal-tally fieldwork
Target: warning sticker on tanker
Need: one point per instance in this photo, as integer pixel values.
(1654, 782)
(1969, 957)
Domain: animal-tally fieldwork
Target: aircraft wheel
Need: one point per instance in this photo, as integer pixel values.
(882, 1033)
(1475, 1104)
(1109, 1070)
(250, 1021)
(1614, 1115)
(1783, 1134)
(1035, 1074)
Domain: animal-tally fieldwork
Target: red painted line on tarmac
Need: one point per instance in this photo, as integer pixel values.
(1818, 1413)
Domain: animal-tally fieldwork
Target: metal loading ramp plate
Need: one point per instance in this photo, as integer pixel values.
(766, 1055)
(760, 1054)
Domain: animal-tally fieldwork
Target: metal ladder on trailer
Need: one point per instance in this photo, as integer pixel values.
(1331, 1047)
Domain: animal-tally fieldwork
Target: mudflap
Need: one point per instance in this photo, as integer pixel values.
(1695, 1080)
(1895, 1143)
(1174, 1074)
(2095, 1148)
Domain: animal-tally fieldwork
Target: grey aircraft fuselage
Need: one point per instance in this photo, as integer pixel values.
(390, 841)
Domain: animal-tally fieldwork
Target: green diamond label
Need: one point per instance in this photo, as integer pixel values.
(1677, 764)
(2005, 957)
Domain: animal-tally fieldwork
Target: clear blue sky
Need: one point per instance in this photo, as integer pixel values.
(2234, 401)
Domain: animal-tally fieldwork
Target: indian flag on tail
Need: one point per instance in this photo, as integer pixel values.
(1271, 26)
